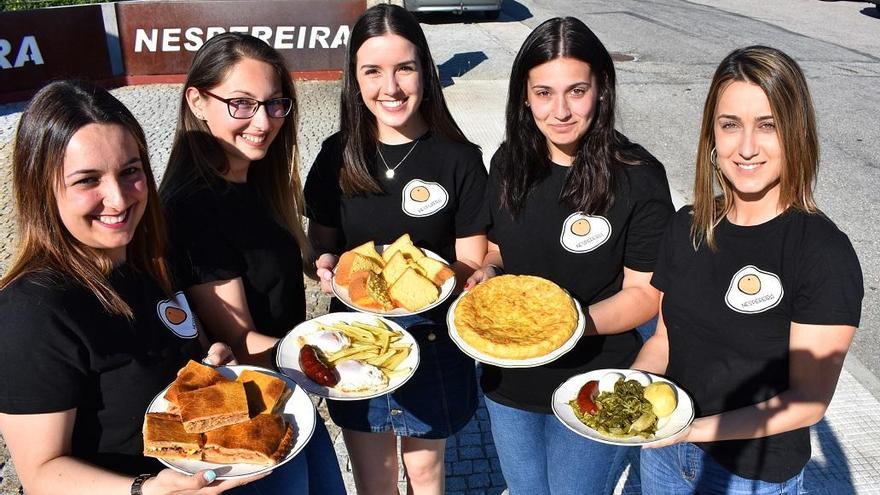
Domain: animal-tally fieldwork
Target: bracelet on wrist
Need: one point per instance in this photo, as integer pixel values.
(138, 483)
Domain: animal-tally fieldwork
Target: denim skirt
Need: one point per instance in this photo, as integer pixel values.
(437, 401)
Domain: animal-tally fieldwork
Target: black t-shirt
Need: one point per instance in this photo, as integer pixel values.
(435, 196)
(224, 230)
(584, 254)
(728, 314)
(61, 350)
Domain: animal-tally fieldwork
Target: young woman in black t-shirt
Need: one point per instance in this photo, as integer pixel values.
(397, 134)
(761, 293)
(573, 201)
(86, 345)
(234, 203)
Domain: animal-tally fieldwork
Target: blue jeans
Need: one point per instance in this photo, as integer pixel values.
(684, 468)
(314, 471)
(539, 455)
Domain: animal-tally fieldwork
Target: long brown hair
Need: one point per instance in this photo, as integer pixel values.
(358, 126)
(197, 157)
(52, 117)
(782, 80)
(525, 157)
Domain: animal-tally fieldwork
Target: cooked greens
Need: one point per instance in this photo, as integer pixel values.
(622, 413)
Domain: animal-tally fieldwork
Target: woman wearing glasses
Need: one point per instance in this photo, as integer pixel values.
(397, 135)
(234, 202)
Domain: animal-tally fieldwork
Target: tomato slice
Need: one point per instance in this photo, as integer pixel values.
(587, 396)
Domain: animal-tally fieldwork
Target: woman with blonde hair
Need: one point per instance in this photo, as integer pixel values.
(234, 202)
(761, 291)
(85, 349)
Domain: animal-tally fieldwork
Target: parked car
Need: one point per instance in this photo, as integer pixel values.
(491, 9)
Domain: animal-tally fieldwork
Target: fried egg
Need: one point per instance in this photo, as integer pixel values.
(328, 341)
(421, 199)
(753, 290)
(176, 314)
(584, 233)
(357, 376)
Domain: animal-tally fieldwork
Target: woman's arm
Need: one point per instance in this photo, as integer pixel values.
(469, 255)
(489, 267)
(326, 244)
(222, 308)
(815, 359)
(40, 446)
(654, 356)
(636, 303)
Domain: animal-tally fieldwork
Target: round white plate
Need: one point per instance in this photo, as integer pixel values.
(287, 357)
(445, 291)
(298, 411)
(668, 426)
(515, 363)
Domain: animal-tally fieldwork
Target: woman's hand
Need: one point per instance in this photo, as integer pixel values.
(480, 276)
(679, 437)
(170, 482)
(219, 354)
(325, 265)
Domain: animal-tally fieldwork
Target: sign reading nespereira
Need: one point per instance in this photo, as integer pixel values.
(162, 37)
(37, 46)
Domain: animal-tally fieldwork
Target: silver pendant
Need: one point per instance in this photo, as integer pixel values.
(389, 173)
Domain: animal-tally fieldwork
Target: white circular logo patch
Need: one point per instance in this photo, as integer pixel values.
(584, 233)
(753, 291)
(177, 316)
(422, 199)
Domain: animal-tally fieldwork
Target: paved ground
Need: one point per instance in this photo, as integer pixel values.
(676, 44)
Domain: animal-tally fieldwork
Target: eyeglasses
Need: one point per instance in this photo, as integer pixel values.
(245, 108)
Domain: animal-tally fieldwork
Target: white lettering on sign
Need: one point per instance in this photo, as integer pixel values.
(192, 38)
(28, 51)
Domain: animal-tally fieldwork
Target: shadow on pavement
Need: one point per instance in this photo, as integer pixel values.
(871, 11)
(458, 65)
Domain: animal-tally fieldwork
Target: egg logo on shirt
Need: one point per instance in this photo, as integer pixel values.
(422, 199)
(177, 316)
(753, 291)
(584, 233)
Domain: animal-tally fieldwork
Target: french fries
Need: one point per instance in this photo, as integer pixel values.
(375, 344)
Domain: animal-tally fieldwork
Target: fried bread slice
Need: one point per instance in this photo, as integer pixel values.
(435, 270)
(212, 407)
(265, 393)
(165, 437)
(413, 291)
(265, 440)
(193, 376)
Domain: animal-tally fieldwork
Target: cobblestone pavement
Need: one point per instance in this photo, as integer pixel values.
(846, 451)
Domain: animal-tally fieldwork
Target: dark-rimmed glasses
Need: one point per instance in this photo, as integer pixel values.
(245, 108)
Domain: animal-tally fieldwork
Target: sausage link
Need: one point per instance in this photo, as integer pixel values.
(315, 368)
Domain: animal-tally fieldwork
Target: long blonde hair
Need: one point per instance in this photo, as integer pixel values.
(197, 157)
(783, 82)
(52, 117)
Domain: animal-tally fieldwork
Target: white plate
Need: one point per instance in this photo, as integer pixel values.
(298, 411)
(445, 291)
(668, 426)
(287, 357)
(515, 363)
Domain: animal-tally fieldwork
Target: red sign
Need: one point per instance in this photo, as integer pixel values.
(162, 37)
(37, 46)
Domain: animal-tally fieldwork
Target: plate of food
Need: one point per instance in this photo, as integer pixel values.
(236, 420)
(623, 407)
(398, 279)
(348, 356)
(516, 321)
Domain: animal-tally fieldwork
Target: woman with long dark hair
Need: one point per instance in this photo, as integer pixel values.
(85, 349)
(396, 133)
(574, 201)
(234, 202)
(761, 293)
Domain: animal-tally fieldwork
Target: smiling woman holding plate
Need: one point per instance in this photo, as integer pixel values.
(761, 291)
